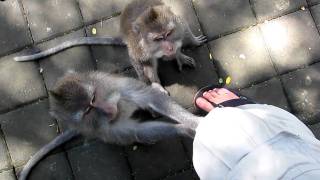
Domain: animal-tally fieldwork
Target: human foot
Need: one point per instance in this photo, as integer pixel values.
(215, 96)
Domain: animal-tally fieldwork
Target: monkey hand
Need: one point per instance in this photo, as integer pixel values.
(199, 40)
(159, 88)
(184, 59)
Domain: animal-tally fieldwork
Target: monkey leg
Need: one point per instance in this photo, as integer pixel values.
(184, 59)
(139, 70)
(151, 132)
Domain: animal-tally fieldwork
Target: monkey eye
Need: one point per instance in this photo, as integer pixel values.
(158, 38)
(92, 99)
(88, 109)
(169, 33)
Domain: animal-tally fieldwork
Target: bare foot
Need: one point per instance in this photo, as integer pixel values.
(216, 96)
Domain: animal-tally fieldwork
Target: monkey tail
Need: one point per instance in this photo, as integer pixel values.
(75, 42)
(59, 140)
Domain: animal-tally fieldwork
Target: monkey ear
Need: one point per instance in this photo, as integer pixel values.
(151, 15)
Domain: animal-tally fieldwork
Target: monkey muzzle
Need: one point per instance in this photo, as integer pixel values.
(168, 48)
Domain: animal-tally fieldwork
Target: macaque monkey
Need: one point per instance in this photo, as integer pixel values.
(151, 31)
(101, 105)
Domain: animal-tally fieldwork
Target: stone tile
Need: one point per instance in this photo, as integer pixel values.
(52, 167)
(293, 40)
(48, 18)
(109, 58)
(312, 2)
(74, 59)
(94, 10)
(4, 155)
(20, 83)
(27, 129)
(266, 9)
(14, 30)
(243, 57)
(223, 16)
(315, 128)
(269, 92)
(7, 175)
(185, 10)
(158, 160)
(97, 161)
(185, 175)
(302, 87)
(315, 11)
(189, 80)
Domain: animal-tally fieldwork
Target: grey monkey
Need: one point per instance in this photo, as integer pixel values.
(101, 105)
(150, 30)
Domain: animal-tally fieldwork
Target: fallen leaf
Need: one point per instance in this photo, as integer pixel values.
(94, 31)
(228, 80)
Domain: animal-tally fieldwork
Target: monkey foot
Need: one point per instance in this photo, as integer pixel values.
(211, 97)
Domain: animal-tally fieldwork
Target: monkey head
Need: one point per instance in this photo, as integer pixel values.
(160, 31)
(77, 99)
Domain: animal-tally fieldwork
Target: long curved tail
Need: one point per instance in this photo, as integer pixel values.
(75, 42)
(59, 140)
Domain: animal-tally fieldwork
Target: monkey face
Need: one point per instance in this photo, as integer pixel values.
(160, 31)
(78, 100)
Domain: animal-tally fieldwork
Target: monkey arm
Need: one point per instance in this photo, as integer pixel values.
(74, 42)
(147, 97)
(59, 140)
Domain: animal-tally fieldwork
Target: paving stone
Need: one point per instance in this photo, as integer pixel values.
(269, 92)
(315, 128)
(302, 87)
(99, 161)
(4, 155)
(266, 9)
(158, 160)
(185, 10)
(7, 175)
(51, 168)
(243, 57)
(94, 10)
(109, 58)
(223, 16)
(20, 83)
(14, 30)
(74, 59)
(315, 11)
(27, 129)
(312, 2)
(293, 40)
(185, 175)
(189, 80)
(48, 18)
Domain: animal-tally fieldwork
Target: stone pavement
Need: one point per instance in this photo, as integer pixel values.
(269, 48)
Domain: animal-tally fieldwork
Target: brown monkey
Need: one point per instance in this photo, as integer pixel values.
(151, 31)
(101, 105)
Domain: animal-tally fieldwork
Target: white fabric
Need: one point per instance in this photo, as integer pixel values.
(255, 141)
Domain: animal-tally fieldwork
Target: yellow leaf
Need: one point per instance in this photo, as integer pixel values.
(94, 31)
(228, 80)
